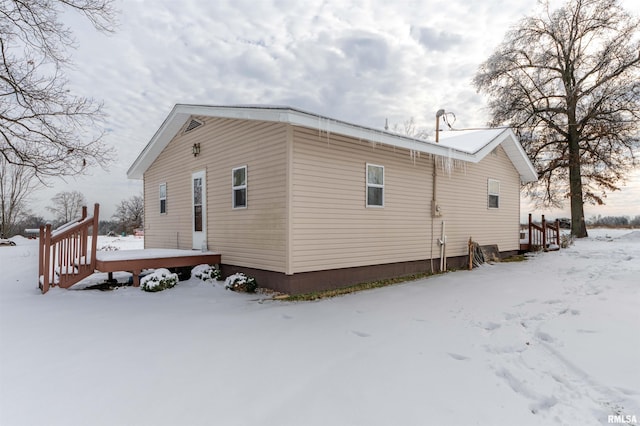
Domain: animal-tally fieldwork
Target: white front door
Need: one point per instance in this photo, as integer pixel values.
(199, 210)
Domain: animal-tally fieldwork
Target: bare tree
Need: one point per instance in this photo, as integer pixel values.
(42, 125)
(411, 129)
(67, 205)
(130, 213)
(569, 82)
(16, 185)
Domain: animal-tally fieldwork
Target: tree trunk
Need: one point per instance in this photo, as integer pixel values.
(578, 225)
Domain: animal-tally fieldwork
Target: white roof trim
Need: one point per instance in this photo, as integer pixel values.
(283, 114)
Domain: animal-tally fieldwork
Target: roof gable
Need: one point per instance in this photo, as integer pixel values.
(480, 142)
(471, 146)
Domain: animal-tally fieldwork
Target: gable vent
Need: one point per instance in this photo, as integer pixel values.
(193, 124)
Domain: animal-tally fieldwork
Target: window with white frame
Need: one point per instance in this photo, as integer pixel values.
(163, 198)
(493, 193)
(375, 185)
(239, 187)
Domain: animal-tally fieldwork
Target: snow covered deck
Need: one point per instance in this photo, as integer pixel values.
(67, 255)
(135, 261)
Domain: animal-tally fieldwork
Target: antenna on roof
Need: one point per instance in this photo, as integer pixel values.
(439, 114)
(386, 124)
(443, 114)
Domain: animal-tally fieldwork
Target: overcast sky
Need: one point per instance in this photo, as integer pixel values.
(359, 61)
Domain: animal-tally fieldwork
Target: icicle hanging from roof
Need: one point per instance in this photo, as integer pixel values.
(414, 155)
(327, 126)
(328, 123)
(448, 164)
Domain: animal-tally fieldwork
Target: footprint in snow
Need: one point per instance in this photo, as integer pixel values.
(545, 337)
(287, 317)
(360, 333)
(490, 326)
(628, 391)
(458, 356)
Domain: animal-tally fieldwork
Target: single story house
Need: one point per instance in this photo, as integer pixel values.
(304, 202)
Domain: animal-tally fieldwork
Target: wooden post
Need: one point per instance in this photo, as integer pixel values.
(41, 257)
(558, 232)
(46, 253)
(544, 234)
(470, 253)
(529, 244)
(136, 278)
(94, 235)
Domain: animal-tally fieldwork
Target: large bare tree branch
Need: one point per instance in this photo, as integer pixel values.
(42, 125)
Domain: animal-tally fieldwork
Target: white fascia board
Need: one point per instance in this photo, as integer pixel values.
(329, 125)
(509, 142)
(295, 117)
(181, 112)
(519, 158)
(158, 142)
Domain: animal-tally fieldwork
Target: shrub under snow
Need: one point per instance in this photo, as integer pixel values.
(206, 273)
(240, 282)
(159, 280)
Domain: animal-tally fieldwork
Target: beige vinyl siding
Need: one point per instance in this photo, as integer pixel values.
(254, 236)
(464, 204)
(306, 199)
(173, 167)
(332, 227)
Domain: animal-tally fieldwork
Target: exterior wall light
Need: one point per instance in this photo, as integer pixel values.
(195, 149)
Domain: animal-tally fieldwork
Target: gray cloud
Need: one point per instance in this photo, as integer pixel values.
(436, 40)
(366, 51)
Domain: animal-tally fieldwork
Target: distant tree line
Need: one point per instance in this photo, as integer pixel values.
(614, 221)
(65, 207)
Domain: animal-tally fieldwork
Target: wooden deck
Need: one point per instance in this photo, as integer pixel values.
(68, 254)
(135, 261)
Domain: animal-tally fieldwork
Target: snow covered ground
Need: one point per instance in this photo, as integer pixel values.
(554, 340)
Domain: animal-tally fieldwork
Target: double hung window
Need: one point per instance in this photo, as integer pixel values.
(239, 187)
(493, 194)
(163, 198)
(375, 185)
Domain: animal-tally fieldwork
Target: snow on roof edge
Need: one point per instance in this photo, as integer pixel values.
(298, 117)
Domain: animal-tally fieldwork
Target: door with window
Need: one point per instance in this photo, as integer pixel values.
(199, 210)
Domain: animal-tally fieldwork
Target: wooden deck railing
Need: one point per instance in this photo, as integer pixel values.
(65, 255)
(543, 236)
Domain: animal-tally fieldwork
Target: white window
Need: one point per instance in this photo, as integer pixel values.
(493, 193)
(239, 187)
(163, 198)
(375, 185)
